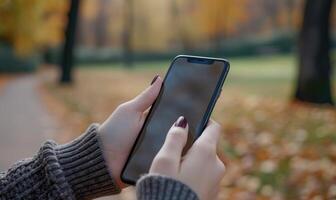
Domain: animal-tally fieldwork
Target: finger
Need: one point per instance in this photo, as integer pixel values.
(215, 191)
(221, 167)
(176, 138)
(218, 172)
(145, 114)
(168, 159)
(146, 98)
(221, 156)
(211, 134)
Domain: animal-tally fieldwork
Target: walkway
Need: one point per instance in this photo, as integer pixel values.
(24, 121)
(25, 124)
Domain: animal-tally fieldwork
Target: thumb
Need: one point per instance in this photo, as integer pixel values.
(168, 159)
(210, 135)
(146, 98)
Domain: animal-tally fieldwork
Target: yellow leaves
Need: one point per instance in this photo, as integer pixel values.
(218, 17)
(332, 191)
(268, 166)
(264, 139)
(89, 9)
(158, 25)
(250, 183)
(286, 147)
(267, 190)
(31, 25)
(153, 29)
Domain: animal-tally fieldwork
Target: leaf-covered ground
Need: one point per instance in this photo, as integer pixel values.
(274, 149)
(4, 79)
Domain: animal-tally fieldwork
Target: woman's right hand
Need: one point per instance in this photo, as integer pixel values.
(200, 168)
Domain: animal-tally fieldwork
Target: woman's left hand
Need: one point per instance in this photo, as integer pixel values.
(119, 131)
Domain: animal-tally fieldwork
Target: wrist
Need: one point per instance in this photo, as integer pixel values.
(114, 166)
(84, 166)
(115, 171)
(114, 161)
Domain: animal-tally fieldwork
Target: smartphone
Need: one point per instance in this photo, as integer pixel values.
(190, 89)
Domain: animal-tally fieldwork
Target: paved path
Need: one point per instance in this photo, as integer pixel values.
(25, 124)
(24, 121)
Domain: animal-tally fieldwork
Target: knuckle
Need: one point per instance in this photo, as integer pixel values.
(163, 160)
(217, 127)
(122, 106)
(205, 148)
(125, 106)
(211, 142)
(176, 138)
(177, 135)
(162, 164)
(221, 167)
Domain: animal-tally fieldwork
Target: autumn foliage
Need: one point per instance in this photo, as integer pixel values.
(30, 26)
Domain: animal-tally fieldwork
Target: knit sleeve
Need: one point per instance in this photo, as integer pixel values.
(72, 171)
(158, 187)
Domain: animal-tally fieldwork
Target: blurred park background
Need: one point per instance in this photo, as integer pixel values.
(67, 63)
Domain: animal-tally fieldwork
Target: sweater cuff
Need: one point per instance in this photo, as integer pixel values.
(84, 167)
(158, 187)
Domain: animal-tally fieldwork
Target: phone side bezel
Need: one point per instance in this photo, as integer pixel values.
(206, 115)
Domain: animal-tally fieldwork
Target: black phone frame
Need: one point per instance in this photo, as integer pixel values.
(206, 115)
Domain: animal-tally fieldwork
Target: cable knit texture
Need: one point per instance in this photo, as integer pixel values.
(158, 187)
(77, 170)
(72, 171)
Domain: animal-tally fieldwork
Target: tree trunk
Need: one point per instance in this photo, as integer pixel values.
(314, 75)
(128, 33)
(101, 32)
(67, 54)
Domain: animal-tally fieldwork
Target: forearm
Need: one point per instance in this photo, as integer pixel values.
(75, 170)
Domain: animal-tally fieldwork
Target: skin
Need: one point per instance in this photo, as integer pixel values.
(119, 132)
(200, 168)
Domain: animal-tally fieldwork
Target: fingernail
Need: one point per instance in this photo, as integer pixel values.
(181, 122)
(154, 79)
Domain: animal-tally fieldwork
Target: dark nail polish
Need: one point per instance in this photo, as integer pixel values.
(154, 79)
(181, 122)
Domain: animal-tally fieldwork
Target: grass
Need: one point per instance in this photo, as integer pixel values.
(277, 150)
(267, 76)
(248, 75)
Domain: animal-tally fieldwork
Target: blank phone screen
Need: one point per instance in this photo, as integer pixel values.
(188, 90)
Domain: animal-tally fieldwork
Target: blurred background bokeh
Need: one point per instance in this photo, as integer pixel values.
(67, 63)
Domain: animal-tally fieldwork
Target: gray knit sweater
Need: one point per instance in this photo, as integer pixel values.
(77, 170)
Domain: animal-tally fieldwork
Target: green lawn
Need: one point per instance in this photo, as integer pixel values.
(266, 76)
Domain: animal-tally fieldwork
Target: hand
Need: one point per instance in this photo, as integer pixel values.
(119, 131)
(200, 169)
